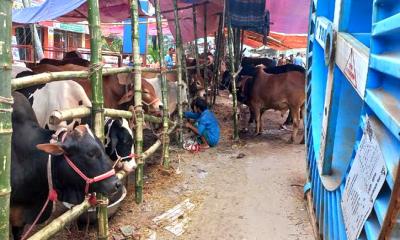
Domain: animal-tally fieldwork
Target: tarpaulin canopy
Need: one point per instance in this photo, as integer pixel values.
(276, 41)
(186, 16)
(73, 11)
(286, 16)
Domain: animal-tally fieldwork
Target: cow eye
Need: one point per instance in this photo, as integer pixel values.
(91, 154)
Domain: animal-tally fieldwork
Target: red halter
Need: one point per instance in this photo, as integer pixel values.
(52, 192)
(84, 177)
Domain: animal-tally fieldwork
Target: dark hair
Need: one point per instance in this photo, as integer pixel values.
(171, 48)
(24, 74)
(200, 103)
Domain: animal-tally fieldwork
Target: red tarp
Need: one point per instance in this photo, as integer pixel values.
(287, 17)
(276, 41)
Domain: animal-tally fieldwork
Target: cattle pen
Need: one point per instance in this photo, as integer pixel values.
(343, 183)
(98, 112)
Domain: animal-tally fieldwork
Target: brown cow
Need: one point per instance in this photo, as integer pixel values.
(117, 93)
(276, 91)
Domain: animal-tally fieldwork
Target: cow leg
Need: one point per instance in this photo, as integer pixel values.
(17, 232)
(295, 112)
(257, 115)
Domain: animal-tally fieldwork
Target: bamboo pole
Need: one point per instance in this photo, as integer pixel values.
(63, 115)
(218, 55)
(164, 86)
(196, 47)
(138, 102)
(205, 52)
(43, 78)
(179, 54)
(5, 115)
(59, 223)
(232, 66)
(96, 80)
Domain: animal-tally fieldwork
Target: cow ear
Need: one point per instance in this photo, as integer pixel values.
(128, 96)
(51, 148)
(124, 78)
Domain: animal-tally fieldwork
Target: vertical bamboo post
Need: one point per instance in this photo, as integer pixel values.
(205, 52)
(196, 47)
(179, 58)
(241, 44)
(138, 102)
(217, 62)
(237, 48)
(232, 67)
(164, 86)
(5, 115)
(96, 80)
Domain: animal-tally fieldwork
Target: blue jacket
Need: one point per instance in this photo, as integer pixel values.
(207, 125)
(169, 61)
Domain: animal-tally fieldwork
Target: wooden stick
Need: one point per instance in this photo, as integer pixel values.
(205, 52)
(196, 47)
(5, 116)
(179, 57)
(164, 86)
(187, 7)
(138, 103)
(96, 80)
(311, 214)
(59, 223)
(232, 66)
(44, 78)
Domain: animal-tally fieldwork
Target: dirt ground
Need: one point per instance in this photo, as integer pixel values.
(251, 189)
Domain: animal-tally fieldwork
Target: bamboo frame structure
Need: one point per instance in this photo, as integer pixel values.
(138, 103)
(5, 116)
(196, 48)
(218, 56)
(179, 57)
(232, 67)
(44, 78)
(96, 80)
(59, 223)
(164, 86)
(205, 52)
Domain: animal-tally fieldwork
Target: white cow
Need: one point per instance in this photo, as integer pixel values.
(62, 95)
(172, 92)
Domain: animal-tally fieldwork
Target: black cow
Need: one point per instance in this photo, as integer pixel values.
(29, 156)
(118, 134)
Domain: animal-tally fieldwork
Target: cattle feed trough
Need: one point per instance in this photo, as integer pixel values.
(95, 73)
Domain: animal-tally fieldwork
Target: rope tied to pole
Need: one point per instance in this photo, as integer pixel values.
(6, 101)
(95, 68)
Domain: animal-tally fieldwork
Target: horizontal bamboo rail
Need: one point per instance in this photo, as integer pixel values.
(43, 78)
(59, 223)
(62, 115)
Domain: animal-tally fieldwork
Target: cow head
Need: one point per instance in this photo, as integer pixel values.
(87, 153)
(149, 96)
(119, 138)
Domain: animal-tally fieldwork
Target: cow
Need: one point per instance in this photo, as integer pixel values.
(62, 95)
(117, 89)
(76, 61)
(248, 72)
(31, 151)
(280, 92)
(172, 93)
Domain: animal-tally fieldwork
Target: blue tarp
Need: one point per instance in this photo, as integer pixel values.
(127, 40)
(73, 11)
(49, 10)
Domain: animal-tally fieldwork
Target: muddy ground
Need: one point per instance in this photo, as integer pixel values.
(251, 189)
